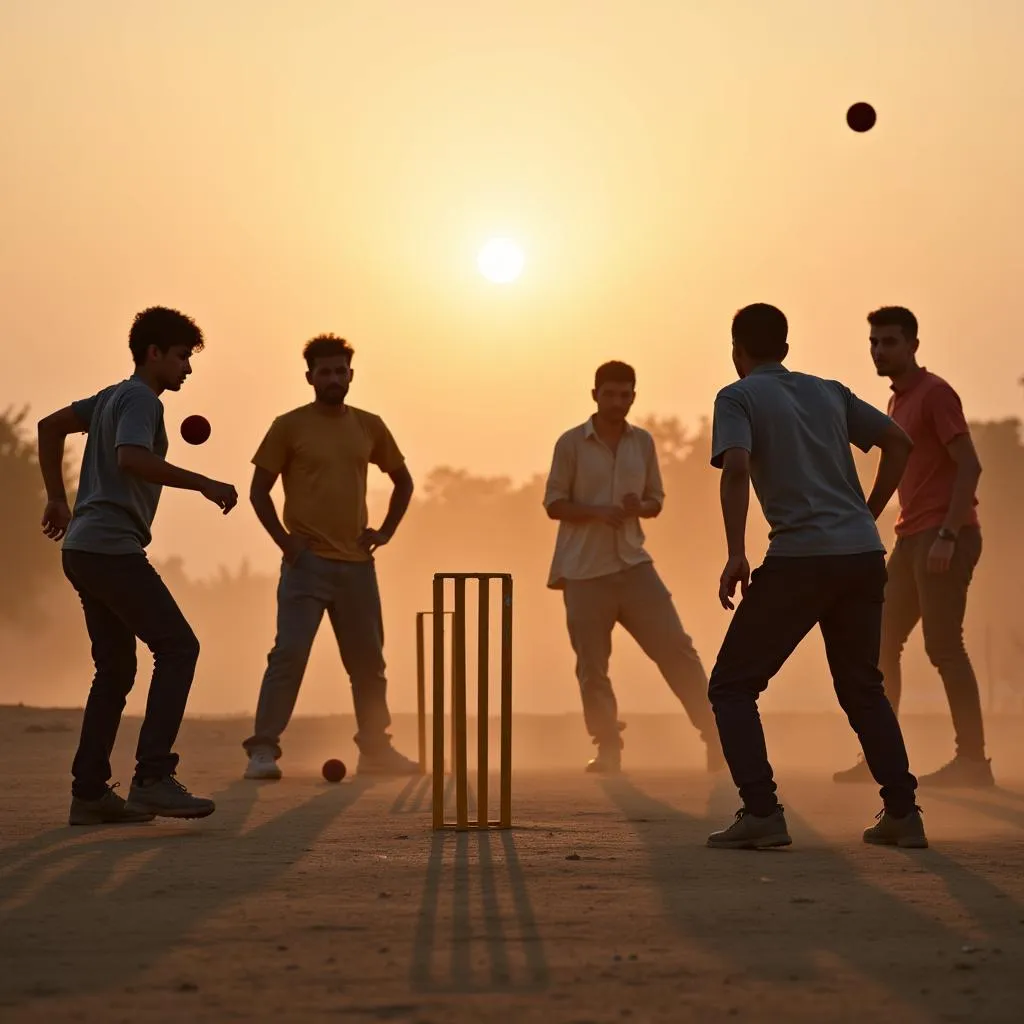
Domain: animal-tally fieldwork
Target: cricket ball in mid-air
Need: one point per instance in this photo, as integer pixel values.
(195, 429)
(861, 117)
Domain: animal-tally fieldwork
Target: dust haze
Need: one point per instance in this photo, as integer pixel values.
(462, 522)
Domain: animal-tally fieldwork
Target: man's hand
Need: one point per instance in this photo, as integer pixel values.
(940, 554)
(224, 496)
(370, 540)
(292, 547)
(737, 570)
(610, 515)
(632, 504)
(56, 517)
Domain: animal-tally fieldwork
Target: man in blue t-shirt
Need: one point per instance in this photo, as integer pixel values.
(789, 434)
(122, 595)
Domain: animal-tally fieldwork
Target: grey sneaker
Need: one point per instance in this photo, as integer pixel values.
(961, 773)
(858, 773)
(109, 809)
(907, 832)
(385, 760)
(262, 765)
(752, 832)
(168, 798)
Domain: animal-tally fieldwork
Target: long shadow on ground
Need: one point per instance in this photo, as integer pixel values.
(501, 928)
(784, 916)
(110, 892)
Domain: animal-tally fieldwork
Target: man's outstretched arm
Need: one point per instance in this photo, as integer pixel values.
(148, 466)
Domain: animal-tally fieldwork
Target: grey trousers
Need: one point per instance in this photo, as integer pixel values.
(348, 593)
(637, 599)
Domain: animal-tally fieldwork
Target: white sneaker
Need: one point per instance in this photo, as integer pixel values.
(262, 766)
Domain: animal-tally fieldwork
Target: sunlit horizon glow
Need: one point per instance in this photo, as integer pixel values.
(501, 260)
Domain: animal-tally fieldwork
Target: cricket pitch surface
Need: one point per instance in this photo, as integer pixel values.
(300, 900)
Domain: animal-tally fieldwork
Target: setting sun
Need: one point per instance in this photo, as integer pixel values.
(501, 260)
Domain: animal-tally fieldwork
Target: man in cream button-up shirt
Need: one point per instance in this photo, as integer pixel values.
(604, 479)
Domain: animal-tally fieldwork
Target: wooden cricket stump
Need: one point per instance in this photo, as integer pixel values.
(459, 726)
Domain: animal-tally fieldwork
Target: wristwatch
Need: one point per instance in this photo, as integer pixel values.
(947, 534)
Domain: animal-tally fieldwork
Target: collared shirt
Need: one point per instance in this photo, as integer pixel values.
(929, 410)
(585, 470)
(323, 458)
(798, 430)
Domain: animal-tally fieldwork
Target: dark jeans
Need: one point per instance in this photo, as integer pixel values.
(123, 597)
(939, 602)
(787, 597)
(348, 593)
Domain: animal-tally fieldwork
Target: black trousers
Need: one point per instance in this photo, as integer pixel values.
(123, 597)
(786, 598)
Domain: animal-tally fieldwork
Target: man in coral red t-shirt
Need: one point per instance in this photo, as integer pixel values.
(938, 543)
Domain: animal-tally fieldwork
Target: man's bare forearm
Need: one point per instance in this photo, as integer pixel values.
(397, 507)
(266, 512)
(887, 479)
(965, 487)
(50, 453)
(572, 511)
(734, 492)
(150, 467)
(891, 465)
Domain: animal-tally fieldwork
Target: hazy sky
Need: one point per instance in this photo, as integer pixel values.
(282, 169)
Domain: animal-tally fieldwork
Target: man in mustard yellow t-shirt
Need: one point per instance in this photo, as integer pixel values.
(321, 452)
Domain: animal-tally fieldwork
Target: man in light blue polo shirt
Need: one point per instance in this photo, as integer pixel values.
(789, 434)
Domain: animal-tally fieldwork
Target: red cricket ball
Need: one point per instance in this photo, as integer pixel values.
(861, 117)
(195, 429)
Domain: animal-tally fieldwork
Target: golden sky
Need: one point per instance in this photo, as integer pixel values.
(281, 169)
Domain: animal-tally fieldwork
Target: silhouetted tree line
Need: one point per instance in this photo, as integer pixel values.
(459, 521)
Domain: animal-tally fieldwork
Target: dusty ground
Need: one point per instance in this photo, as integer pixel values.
(303, 901)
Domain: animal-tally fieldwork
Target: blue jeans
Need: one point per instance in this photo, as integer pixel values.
(348, 593)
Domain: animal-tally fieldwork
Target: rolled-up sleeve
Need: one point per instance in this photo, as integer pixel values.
(563, 469)
(654, 489)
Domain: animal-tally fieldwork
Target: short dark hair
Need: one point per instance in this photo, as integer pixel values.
(164, 328)
(895, 316)
(614, 372)
(323, 346)
(761, 331)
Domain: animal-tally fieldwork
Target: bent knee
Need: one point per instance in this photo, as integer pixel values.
(944, 648)
(182, 646)
(723, 689)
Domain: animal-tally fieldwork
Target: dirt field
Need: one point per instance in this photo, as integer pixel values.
(305, 901)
